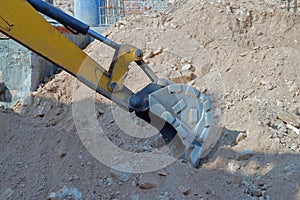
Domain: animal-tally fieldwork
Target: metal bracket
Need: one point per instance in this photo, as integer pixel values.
(119, 66)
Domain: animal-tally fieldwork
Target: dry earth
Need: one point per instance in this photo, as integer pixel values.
(246, 54)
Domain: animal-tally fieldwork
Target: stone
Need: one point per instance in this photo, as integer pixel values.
(206, 68)
(44, 109)
(172, 1)
(184, 189)
(288, 118)
(60, 111)
(27, 100)
(181, 76)
(147, 181)
(291, 127)
(100, 182)
(61, 153)
(294, 88)
(134, 197)
(101, 111)
(51, 122)
(66, 193)
(3, 36)
(233, 166)
(98, 115)
(149, 55)
(264, 82)
(240, 137)
(134, 183)
(6, 194)
(109, 181)
(188, 67)
(294, 147)
(121, 176)
(237, 181)
(152, 54)
(175, 76)
(162, 197)
(260, 182)
(75, 177)
(297, 112)
(254, 165)
(158, 51)
(270, 86)
(162, 172)
(244, 155)
(243, 54)
(256, 192)
(124, 172)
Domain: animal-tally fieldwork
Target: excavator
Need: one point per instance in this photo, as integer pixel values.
(183, 115)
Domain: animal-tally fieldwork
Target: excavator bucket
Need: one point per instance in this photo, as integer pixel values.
(186, 118)
(189, 112)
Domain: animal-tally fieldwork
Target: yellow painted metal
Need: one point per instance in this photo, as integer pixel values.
(20, 21)
(125, 55)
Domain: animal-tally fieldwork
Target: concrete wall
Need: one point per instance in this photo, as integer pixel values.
(144, 6)
(87, 11)
(22, 71)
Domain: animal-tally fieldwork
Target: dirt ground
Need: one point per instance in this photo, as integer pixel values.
(244, 53)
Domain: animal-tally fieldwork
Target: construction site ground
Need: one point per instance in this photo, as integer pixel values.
(244, 53)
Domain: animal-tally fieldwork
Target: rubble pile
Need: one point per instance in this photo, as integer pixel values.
(244, 53)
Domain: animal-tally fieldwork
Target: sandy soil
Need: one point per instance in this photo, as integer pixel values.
(246, 54)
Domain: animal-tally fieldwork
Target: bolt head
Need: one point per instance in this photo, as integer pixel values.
(113, 87)
(135, 101)
(138, 53)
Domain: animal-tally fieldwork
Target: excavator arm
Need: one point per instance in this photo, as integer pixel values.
(182, 114)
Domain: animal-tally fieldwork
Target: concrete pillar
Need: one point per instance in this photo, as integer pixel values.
(102, 11)
(87, 11)
(21, 70)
